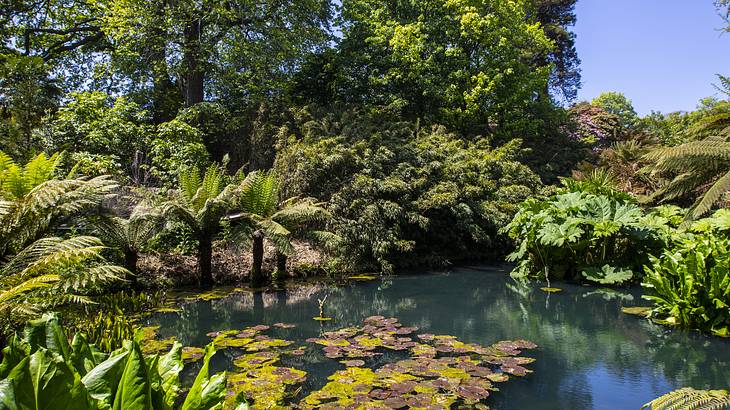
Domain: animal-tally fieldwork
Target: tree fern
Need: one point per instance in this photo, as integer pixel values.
(700, 168)
(200, 203)
(52, 271)
(691, 399)
(262, 215)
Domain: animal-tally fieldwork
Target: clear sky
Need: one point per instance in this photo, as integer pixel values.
(663, 54)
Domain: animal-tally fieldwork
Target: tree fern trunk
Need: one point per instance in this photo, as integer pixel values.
(281, 260)
(205, 257)
(130, 263)
(257, 277)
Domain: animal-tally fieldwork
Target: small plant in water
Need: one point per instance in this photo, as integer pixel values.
(321, 316)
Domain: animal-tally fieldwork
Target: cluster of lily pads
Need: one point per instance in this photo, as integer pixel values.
(259, 376)
(426, 371)
(440, 372)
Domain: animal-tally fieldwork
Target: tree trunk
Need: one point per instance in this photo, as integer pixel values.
(130, 263)
(194, 76)
(257, 278)
(205, 256)
(281, 260)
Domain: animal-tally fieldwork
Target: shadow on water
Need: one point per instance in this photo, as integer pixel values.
(591, 356)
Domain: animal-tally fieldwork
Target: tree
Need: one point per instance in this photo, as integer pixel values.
(263, 216)
(214, 46)
(617, 104)
(469, 65)
(556, 18)
(27, 93)
(96, 123)
(592, 124)
(200, 203)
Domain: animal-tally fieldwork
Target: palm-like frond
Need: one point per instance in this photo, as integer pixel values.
(296, 212)
(26, 219)
(202, 201)
(16, 181)
(700, 167)
(132, 233)
(691, 399)
(260, 194)
(52, 271)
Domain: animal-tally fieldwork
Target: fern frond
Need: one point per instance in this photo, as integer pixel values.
(691, 399)
(705, 203)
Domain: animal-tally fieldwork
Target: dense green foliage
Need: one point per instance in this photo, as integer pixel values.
(689, 282)
(425, 195)
(41, 370)
(587, 232)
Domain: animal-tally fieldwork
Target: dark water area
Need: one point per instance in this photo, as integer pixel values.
(590, 355)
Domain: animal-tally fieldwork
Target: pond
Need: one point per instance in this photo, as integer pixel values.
(590, 355)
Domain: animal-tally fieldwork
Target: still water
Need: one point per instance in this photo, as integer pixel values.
(590, 355)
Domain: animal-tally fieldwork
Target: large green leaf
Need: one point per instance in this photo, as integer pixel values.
(207, 393)
(608, 275)
(84, 356)
(103, 380)
(42, 381)
(13, 353)
(167, 370)
(47, 332)
(135, 388)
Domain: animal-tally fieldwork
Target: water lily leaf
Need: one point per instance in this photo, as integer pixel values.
(642, 311)
(551, 290)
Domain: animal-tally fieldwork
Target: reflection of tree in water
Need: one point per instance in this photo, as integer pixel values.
(580, 331)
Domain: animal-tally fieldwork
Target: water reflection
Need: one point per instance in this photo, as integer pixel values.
(590, 356)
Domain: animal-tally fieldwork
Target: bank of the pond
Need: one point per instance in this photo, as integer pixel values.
(590, 355)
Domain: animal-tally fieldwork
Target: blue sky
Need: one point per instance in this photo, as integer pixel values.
(663, 54)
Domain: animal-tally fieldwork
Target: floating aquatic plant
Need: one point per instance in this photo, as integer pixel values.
(147, 337)
(427, 371)
(259, 376)
(441, 372)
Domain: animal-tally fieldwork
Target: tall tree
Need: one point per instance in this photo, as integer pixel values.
(214, 47)
(557, 17)
(468, 64)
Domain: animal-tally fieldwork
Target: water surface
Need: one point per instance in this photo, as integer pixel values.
(590, 355)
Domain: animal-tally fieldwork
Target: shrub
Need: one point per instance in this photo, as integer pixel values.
(176, 146)
(689, 282)
(575, 234)
(99, 125)
(402, 196)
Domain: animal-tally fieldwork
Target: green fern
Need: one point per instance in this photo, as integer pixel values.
(690, 399)
(701, 168)
(17, 181)
(51, 272)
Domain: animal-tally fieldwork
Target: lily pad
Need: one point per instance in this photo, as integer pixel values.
(551, 290)
(642, 311)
